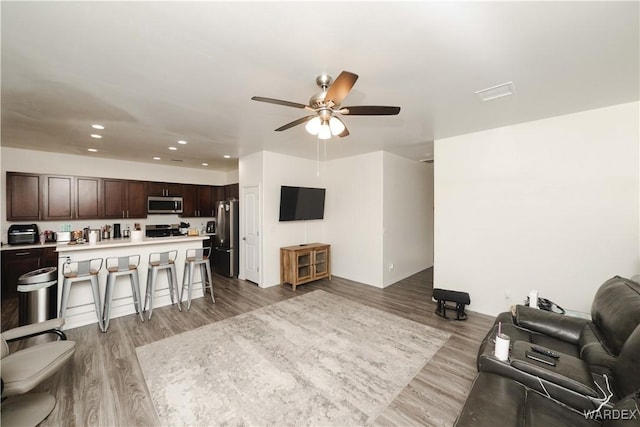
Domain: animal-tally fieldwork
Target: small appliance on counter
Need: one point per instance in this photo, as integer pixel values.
(23, 234)
(211, 227)
(162, 230)
(116, 231)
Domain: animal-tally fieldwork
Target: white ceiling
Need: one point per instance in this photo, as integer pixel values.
(156, 72)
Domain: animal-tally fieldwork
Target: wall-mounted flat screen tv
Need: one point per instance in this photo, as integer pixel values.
(301, 203)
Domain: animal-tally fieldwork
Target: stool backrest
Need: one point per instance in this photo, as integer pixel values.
(163, 258)
(83, 268)
(198, 254)
(123, 262)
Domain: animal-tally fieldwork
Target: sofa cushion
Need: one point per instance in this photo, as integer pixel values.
(499, 401)
(616, 311)
(593, 352)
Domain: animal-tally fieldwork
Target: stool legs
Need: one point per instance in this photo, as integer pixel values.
(135, 290)
(66, 290)
(151, 286)
(187, 280)
(108, 296)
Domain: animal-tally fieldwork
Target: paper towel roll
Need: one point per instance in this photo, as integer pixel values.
(533, 299)
(502, 347)
(93, 237)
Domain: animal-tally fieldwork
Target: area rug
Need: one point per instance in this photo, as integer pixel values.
(314, 360)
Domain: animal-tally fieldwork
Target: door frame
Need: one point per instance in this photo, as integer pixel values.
(243, 243)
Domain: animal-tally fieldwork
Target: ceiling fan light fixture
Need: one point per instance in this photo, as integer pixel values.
(313, 125)
(324, 132)
(336, 126)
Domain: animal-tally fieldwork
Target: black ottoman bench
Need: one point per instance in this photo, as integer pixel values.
(442, 296)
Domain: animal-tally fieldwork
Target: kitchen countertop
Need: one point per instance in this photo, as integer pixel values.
(108, 243)
(115, 243)
(6, 247)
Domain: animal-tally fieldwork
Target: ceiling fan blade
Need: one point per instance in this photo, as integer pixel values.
(279, 102)
(341, 87)
(295, 123)
(344, 133)
(369, 110)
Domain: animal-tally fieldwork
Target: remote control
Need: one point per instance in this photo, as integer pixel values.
(545, 352)
(541, 358)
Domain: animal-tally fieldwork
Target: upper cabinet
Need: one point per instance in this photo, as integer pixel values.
(23, 196)
(33, 197)
(124, 199)
(197, 201)
(58, 197)
(231, 191)
(89, 200)
(164, 189)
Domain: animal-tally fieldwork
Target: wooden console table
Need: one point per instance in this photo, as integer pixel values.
(304, 263)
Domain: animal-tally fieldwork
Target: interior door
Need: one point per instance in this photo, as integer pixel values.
(251, 239)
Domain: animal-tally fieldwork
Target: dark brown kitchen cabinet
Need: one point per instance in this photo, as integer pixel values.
(16, 262)
(88, 198)
(124, 199)
(217, 195)
(58, 197)
(231, 191)
(23, 196)
(164, 189)
(197, 201)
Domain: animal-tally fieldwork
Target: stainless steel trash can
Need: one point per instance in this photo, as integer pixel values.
(37, 295)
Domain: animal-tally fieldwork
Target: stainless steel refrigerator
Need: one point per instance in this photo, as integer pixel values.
(226, 242)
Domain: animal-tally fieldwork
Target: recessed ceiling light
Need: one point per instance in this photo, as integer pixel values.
(93, 150)
(96, 136)
(156, 158)
(504, 89)
(226, 156)
(97, 126)
(172, 148)
(182, 142)
(205, 164)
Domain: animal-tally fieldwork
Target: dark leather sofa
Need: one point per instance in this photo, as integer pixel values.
(599, 360)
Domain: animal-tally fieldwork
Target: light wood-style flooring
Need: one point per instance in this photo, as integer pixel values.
(103, 384)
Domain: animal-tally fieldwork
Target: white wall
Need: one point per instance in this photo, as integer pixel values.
(551, 205)
(277, 170)
(407, 217)
(361, 191)
(354, 212)
(18, 160)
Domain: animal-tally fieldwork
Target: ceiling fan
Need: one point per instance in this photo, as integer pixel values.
(324, 122)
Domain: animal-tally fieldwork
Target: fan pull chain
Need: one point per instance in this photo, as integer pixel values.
(317, 156)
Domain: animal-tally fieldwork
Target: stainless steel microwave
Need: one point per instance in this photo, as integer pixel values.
(164, 205)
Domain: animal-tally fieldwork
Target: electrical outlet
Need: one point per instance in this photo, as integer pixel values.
(507, 295)
(390, 266)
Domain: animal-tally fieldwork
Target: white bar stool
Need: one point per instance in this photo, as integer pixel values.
(81, 271)
(197, 257)
(121, 266)
(161, 261)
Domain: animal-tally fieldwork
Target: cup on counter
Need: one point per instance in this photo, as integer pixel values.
(43, 238)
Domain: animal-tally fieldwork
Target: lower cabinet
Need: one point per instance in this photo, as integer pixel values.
(304, 263)
(16, 262)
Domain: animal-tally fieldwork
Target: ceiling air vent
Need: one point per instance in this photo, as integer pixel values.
(504, 89)
(426, 161)
(177, 160)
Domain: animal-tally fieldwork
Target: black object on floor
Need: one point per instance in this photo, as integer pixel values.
(442, 296)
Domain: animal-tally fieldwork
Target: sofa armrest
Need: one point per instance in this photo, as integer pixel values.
(565, 328)
(27, 331)
(569, 372)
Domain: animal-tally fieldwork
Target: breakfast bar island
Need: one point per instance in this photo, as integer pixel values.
(81, 309)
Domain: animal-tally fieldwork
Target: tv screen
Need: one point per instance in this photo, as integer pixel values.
(301, 203)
